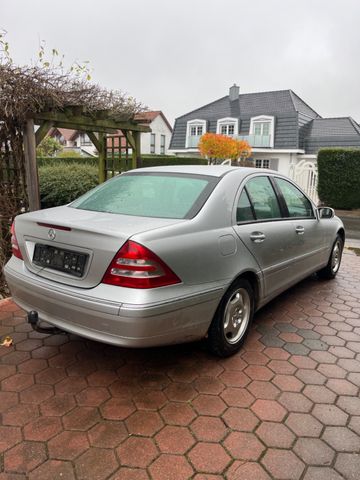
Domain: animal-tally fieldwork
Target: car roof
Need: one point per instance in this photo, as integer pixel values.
(211, 170)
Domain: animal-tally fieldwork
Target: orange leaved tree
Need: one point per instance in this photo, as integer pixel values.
(217, 148)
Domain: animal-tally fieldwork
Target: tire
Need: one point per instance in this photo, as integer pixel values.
(329, 272)
(232, 320)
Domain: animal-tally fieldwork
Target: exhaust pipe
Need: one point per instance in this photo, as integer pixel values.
(33, 319)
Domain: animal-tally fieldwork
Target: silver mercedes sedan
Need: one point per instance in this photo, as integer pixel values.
(165, 255)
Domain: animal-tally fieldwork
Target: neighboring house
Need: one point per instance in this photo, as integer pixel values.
(158, 141)
(155, 142)
(280, 127)
(74, 140)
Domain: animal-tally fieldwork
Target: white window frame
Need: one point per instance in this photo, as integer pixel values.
(194, 123)
(228, 121)
(262, 161)
(263, 119)
(152, 144)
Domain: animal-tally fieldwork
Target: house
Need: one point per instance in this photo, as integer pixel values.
(158, 141)
(155, 142)
(74, 140)
(281, 128)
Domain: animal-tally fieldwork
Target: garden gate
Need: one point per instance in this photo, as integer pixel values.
(305, 174)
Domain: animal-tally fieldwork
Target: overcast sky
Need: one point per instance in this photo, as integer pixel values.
(176, 55)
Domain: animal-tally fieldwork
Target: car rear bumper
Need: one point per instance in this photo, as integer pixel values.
(83, 313)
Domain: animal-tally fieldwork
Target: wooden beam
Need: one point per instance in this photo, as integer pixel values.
(136, 153)
(32, 177)
(73, 126)
(41, 132)
(102, 157)
(129, 137)
(83, 122)
(94, 140)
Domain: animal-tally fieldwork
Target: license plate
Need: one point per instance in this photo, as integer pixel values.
(55, 258)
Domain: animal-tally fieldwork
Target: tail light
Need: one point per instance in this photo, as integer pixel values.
(14, 243)
(135, 266)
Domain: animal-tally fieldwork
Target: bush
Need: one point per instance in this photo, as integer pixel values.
(48, 161)
(61, 184)
(339, 174)
(147, 160)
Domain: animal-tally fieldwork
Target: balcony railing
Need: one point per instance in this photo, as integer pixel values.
(193, 141)
(257, 141)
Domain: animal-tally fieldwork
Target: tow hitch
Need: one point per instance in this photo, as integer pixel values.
(33, 319)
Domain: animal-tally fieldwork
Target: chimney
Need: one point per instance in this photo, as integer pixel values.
(234, 92)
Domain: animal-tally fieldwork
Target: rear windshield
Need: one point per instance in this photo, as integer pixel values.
(163, 195)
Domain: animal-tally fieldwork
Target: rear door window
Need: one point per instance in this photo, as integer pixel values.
(244, 212)
(297, 204)
(263, 198)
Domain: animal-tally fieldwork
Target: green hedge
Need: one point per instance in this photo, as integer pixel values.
(339, 177)
(60, 184)
(147, 160)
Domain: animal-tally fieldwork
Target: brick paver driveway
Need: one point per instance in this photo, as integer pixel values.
(286, 407)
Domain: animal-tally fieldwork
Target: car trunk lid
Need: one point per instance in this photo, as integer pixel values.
(94, 236)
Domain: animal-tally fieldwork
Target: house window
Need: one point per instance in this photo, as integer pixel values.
(162, 145)
(152, 143)
(264, 127)
(227, 126)
(194, 130)
(262, 163)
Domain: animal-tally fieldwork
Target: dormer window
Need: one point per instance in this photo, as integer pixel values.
(263, 126)
(194, 130)
(228, 126)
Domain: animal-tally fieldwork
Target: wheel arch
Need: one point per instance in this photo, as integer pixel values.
(254, 281)
(341, 233)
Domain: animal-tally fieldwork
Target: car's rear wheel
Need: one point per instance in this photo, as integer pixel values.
(334, 262)
(232, 319)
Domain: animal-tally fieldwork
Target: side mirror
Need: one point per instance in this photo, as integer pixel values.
(326, 212)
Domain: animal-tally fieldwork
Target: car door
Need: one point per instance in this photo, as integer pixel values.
(310, 252)
(261, 226)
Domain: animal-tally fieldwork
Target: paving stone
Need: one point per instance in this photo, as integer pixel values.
(283, 464)
(95, 463)
(68, 445)
(53, 470)
(342, 439)
(178, 440)
(322, 473)
(208, 458)
(348, 464)
(296, 348)
(244, 446)
(315, 344)
(314, 451)
(107, 434)
(171, 466)
(241, 470)
(241, 419)
(137, 452)
(275, 435)
(304, 425)
(209, 429)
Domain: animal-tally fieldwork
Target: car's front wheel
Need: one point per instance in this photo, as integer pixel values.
(333, 264)
(232, 319)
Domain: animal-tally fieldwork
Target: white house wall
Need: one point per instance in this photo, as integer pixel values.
(158, 127)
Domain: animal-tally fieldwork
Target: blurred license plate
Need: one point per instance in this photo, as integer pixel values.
(67, 261)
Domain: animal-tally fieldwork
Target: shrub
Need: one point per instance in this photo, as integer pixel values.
(339, 174)
(60, 184)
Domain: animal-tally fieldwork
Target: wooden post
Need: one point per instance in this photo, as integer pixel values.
(32, 177)
(102, 157)
(136, 152)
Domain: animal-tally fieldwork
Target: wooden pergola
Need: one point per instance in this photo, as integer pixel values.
(95, 124)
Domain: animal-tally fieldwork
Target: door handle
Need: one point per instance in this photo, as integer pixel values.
(257, 237)
(300, 230)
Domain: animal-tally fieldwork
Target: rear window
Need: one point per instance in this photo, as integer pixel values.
(160, 195)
